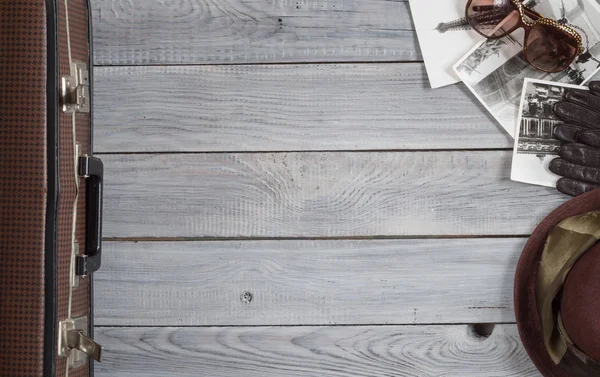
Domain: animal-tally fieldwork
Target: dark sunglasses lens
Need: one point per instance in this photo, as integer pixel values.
(493, 18)
(550, 49)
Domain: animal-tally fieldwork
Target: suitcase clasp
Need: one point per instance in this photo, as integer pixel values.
(74, 343)
(75, 89)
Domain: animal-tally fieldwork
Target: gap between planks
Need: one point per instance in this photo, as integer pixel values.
(318, 62)
(356, 238)
(500, 323)
(311, 151)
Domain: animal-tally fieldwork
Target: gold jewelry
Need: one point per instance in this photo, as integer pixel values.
(550, 22)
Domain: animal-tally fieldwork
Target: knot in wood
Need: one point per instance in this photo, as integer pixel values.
(246, 297)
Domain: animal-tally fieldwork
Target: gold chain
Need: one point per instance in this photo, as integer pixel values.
(550, 22)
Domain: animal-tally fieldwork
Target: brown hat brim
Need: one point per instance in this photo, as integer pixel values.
(526, 312)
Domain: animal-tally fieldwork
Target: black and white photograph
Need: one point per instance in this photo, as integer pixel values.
(535, 145)
(444, 37)
(494, 70)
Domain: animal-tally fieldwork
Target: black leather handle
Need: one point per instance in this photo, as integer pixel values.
(92, 169)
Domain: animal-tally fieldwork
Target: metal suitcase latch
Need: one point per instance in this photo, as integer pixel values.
(74, 343)
(75, 89)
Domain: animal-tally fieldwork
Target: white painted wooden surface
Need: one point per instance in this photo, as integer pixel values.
(319, 194)
(295, 282)
(402, 351)
(285, 107)
(251, 31)
(170, 120)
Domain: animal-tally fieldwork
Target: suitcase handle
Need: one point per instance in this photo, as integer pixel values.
(92, 169)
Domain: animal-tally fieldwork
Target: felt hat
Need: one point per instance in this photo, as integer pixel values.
(557, 290)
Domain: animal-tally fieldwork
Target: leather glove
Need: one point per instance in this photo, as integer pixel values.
(579, 161)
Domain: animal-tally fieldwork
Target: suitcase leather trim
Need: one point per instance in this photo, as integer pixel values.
(53, 190)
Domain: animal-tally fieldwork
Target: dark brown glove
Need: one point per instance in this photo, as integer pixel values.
(580, 107)
(579, 161)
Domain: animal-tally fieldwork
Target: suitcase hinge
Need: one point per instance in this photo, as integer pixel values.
(74, 343)
(75, 89)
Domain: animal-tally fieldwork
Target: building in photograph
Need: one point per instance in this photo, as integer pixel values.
(536, 132)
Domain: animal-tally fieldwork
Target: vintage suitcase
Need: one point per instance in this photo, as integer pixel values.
(50, 190)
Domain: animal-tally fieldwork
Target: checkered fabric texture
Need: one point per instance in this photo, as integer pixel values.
(23, 182)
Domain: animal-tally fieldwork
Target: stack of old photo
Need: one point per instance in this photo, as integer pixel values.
(517, 95)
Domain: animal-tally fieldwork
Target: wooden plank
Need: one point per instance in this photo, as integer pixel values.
(314, 282)
(399, 351)
(319, 195)
(251, 31)
(285, 107)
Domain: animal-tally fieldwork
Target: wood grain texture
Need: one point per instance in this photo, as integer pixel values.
(312, 282)
(319, 195)
(399, 351)
(285, 107)
(130, 32)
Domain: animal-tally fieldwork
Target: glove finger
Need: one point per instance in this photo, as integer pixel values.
(575, 172)
(576, 114)
(583, 98)
(580, 154)
(568, 133)
(589, 137)
(574, 188)
(594, 87)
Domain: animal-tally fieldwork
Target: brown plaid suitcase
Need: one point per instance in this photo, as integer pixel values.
(50, 190)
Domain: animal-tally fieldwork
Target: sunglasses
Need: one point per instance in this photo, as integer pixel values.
(549, 45)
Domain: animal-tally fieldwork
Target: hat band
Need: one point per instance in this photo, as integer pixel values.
(566, 243)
